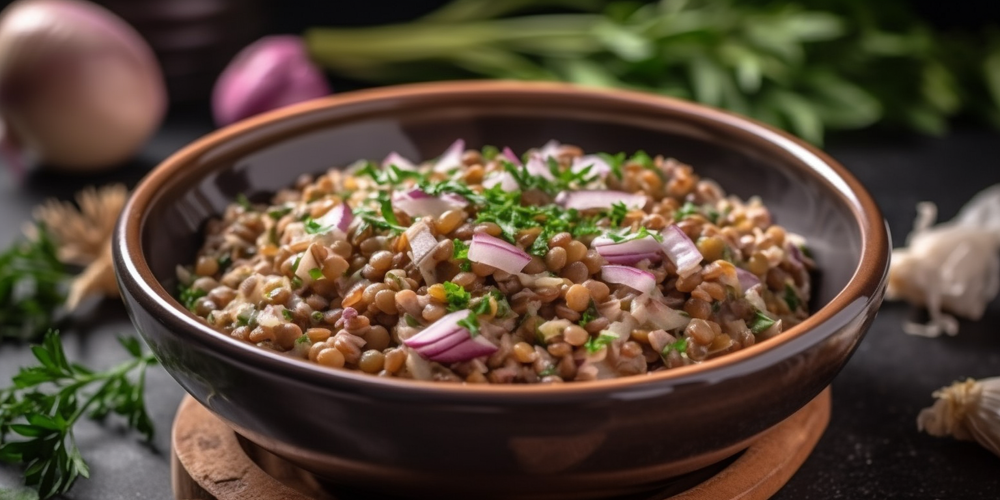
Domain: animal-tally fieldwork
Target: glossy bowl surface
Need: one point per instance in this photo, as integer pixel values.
(568, 440)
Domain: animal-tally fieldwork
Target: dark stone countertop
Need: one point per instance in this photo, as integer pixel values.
(870, 450)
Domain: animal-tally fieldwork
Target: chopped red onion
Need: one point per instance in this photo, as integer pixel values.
(399, 161)
(628, 252)
(539, 167)
(651, 310)
(445, 341)
(451, 158)
(498, 253)
(603, 199)
(511, 157)
(417, 203)
(597, 165)
(339, 218)
(473, 348)
(637, 279)
(506, 181)
(658, 339)
(550, 150)
(422, 243)
(681, 250)
(747, 279)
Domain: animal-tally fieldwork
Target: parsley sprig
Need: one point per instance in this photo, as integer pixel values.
(33, 287)
(48, 399)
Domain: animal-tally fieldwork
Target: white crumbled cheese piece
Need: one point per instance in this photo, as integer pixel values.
(953, 266)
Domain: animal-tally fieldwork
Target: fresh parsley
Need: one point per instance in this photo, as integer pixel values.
(760, 323)
(244, 202)
(589, 314)
(48, 399)
(680, 347)
(189, 296)
(618, 213)
(595, 344)
(313, 227)
(316, 274)
(792, 298)
(279, 212)
(470, 323)
(616, 162)
(456, 296)
(33, 287)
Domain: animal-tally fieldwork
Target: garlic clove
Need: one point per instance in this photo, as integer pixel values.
(968, 410)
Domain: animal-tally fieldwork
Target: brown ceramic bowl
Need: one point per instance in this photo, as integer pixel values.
(572, 440)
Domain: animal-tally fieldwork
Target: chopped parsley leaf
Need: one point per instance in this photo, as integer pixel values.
(304, 339)
(483, 306)
(590, 314)
(595, 344)
(295, 265)
(461, 251)
(296, 282)
(760, 323)
(411, 321)
(503, 307)
(550, 370)
(246, 317)
(680, 347)
(225, 260)
(792, 298)
(244, 202)
(470, 323)
(490, 152)
(685, 211)
(618, 213)
(316, 273)
(188, 296)
(316, 316)
(278, 213)
(288, 315)
(313, 227)
(456, 296)
(615, 162)
(643, 159)
(626, 235)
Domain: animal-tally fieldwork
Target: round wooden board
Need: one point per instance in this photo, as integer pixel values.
(209, 463)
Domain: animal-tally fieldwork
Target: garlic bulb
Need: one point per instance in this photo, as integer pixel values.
(953, 266)
(969, 411)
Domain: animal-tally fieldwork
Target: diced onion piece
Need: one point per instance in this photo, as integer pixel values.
(747, 279)
(628, 252)
(307, 263)
(451, 158)
(339, 219)
(441, 329)
(603, 199)
(506, 181)
(445, 341)
(473, 348)
(597, 165)
(399, 161)
(539, 167)
(680, 250)
(658, 339)
(550, 150)
(637, 279)
(755, 299)
(651, 310)
(416, 203)
(270, 316)
(498, 253)
(422, 243)
(511, 157)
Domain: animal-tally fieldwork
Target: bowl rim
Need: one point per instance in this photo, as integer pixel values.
(134, 274)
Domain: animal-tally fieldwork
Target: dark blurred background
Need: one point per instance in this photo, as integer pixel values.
(194, 39)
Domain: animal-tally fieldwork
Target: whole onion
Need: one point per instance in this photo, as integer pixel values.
(79, 88)
(270, 73)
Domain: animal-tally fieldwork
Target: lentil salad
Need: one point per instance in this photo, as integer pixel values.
(486, 267)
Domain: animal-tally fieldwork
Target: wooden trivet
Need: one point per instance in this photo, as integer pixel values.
(209, 462)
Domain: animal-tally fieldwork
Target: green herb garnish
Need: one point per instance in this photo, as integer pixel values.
(33, 287)
(316, 274)
(313, 227)
(304, 339)
(279, 212)
(287, 315)
(490, 152)
(225, 260)
(48, 399)
(791, 298)
(616, 162)
(456, 296)
(760, 323)
(680, 347)
(189, 296)
(244, 202)
(411, 321)
(589, 314)
(470, 323)
(461, 251)
(595, 344)
(618, 213)
(549, 370)
(503, 307)
(316, 316)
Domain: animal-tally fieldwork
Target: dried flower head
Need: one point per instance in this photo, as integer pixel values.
(82, 234)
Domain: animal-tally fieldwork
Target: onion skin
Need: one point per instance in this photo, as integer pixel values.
(268, 74)
(80, 90)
